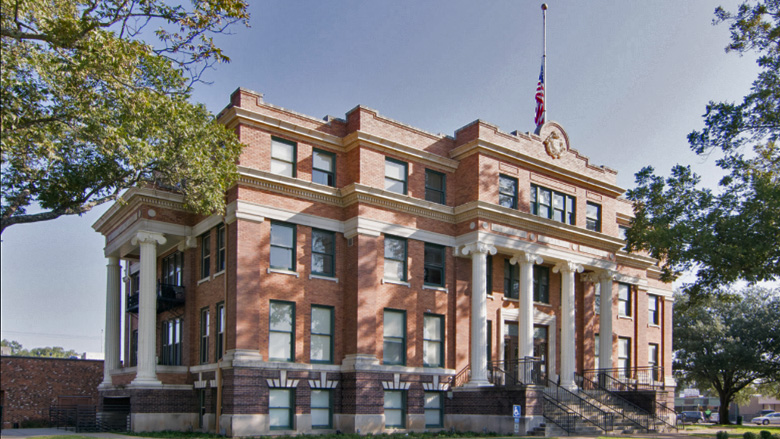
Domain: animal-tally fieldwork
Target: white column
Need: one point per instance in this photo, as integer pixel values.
(526, 320)
(479, 252)
(567, 270)
(113, 315)
(147, 309)
(605, 321)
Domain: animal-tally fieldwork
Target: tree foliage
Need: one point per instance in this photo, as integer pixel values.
(89, 108)
(727, 345)
(52, 352)
(732, 233)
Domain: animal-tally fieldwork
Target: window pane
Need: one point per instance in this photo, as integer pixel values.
(433, 276)
(394, 270)
(394, 186)
(322, 242)
(281, 235)
(393, 352)
(281, 168)
(434, 255)
(320, 320)
(280, 346)
(320, 417)
(432, 328)
(320, 348)
(395, 248)
(396, 171)
(322, 264)
(322, 161)
(282, 151)
(281, 258)
(544, 196)
(394, 324)
(281, 316)
(432, 353)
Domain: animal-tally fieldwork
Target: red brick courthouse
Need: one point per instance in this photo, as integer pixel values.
(369, 276)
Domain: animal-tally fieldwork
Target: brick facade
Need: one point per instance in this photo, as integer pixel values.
(31, 385)
(361, 214)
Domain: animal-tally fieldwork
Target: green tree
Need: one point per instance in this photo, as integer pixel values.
(13, 344)
(89, 108)
(53, 352)
(727, 344)
(732, 233)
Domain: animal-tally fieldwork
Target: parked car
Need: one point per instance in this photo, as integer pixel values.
(771, 418)
(715, 417)
(765, 412)
(691, 417)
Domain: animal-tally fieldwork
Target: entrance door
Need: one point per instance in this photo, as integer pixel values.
(511, 350)
(541, 347)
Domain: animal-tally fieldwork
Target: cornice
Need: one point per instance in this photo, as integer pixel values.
(360, 193)
(635, 260)
(235, 115)
(534, 164)
(288, 186)
(130, 200)
(361, 138)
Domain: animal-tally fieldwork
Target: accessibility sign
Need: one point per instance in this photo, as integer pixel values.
(517, 410)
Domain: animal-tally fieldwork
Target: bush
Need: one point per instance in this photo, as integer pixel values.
(749, 435)
(765, 434)
(721, 435)
(35, 423)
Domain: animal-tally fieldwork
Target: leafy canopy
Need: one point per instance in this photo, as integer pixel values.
(53, 352)
(727, 345)
(732, 233)
(89, 108)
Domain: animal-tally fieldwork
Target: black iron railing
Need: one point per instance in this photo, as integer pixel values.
(620, 406)
(577, 404)
(168, 297)
(560, 416)
(524, 371)
(628, 379)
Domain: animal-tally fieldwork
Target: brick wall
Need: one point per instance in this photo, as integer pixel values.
(31, 385)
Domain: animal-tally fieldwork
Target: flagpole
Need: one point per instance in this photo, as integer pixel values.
(544, 58)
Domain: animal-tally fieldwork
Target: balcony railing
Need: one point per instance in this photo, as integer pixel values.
(168, 297)
(630, 379)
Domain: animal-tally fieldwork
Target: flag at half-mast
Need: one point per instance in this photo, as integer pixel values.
(539, 118)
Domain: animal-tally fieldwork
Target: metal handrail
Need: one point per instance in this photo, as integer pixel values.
(641, 377)
(461, 377)
(628, 410)
(580, 406)
(559, 416)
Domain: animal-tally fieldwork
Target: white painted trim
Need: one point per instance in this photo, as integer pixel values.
(657, 291)
(357, 225)
(435, 288)
(396, 282)
(328, 278)
(287, 272)
(145, 225)
(245, 209)
(207, 224)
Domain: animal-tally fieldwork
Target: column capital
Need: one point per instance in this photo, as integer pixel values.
(478, 248)
(148, 238)
(606, 275)
(525, 258)
(568, 267)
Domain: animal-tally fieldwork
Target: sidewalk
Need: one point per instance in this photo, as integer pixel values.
(35, 432)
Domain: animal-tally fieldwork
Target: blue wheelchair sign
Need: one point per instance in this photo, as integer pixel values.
(517, 410)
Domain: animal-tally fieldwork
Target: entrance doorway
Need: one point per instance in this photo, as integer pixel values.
(511, 348)
(542, 346)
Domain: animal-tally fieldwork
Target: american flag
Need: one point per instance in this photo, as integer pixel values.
(539, 118)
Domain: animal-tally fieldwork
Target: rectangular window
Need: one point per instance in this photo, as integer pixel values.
(220, 330)
(323, 168)
(593, 217)
(624, 357)
(134, 348)
(435, 187)
(433, 271)
(205, 255)
(321, 408)
(395, 408)
(652, 360)
(281, 334)
(622, 234)
(434, 410)
(597, 301)
(280, 409)
(321, 334)
(171, 343)
(541, 284)
(553, 205)
(395, 258)
(489, 275)
(624, 300)
(654, 314)
(597, 348)
(204, 336)
(221, 256)
(507, 191)
(394, 344)
(511, 280)
(283, 157)
(283, 246)
(323, 252)
(433, 341)
(489, 344)
(396, 176)
(172, 269)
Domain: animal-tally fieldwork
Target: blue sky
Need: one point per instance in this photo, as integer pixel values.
(627, 80)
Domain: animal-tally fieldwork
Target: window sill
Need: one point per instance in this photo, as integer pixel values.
(625, 317)
(219, 273)
(205, 279)
(653, 325)
(280, 271)
(328, 278)
(436, 288)
(396, 282)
